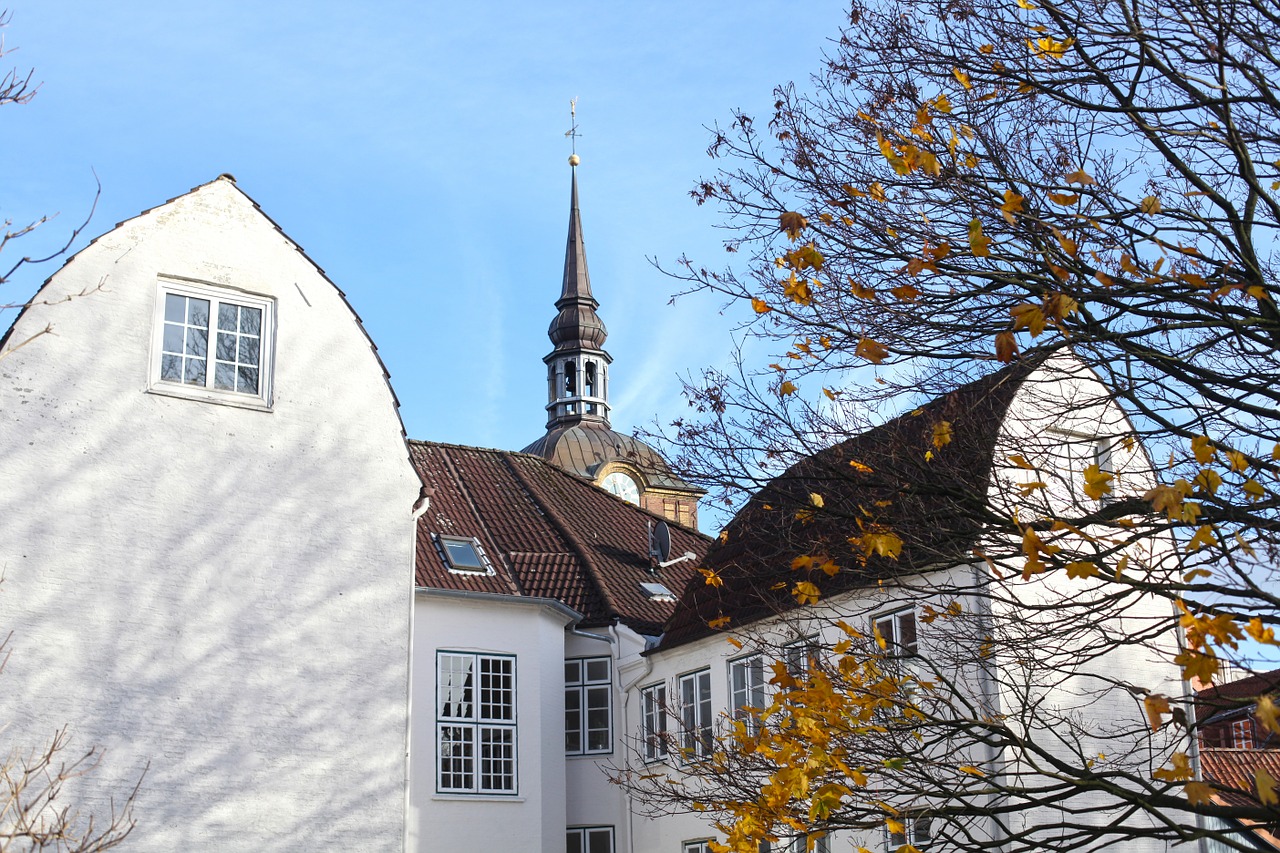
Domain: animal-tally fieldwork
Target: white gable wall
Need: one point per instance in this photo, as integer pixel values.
(219, 592)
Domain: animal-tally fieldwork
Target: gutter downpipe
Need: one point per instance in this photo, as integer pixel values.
(626, 722)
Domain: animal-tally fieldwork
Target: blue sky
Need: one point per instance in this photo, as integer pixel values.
(416, 151)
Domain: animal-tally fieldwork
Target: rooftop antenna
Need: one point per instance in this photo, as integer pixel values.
(572, 133)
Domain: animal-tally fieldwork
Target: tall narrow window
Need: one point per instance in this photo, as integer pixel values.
(899, 632)
(653, 709)
(695, 714)
(212, 344)
(588, 715)
(475, 723)
(570, 379)
(590, 382)
(801, 657)
(746, 690)
(1102, 458)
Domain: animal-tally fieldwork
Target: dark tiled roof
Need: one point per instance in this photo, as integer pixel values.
(881, 477)
(582, 448)
(547, 533)
(1235, 695)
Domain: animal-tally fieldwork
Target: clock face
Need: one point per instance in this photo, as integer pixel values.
(623, 486)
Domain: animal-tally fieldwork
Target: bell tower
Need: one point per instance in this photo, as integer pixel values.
(577, 366)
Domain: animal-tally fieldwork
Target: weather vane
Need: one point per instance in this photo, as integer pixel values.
(572, 132)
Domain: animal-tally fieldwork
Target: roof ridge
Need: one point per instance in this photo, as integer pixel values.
(566, 533)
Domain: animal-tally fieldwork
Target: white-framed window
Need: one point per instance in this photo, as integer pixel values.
(801, 657)
(588, 706)
(463, 555)
(917, 830)
(695, 715)
(747, 690)
(899, 632)
(475, 723)
(1102, 458)
(701, 845)
(589, 839)
(653, 722)
(800, 844)
(212, 344)
(1242, 733)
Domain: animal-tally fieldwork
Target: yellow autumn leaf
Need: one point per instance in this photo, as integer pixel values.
(1026, 4)
(1049, 48)
(1253, 490)
(971, 770)
(1097, 482)
(816, 499)
(760, 306)
(1259, 632)
(1081, 177)
(1064, 199)
(963, 77)
(1151, 204)
(1006, 347)
(872, 351)
(1202, 665)
(1081, 569)
(718, 622)
(1028, 488)
(712, 577)
(1236, 460)
(941, 434)
(806, 593)
(1203, 538)
(787, 388)
(1266, 784)
(1156, 705)
(1198, 793)
(1203, 448)
(1029, 317)
(877, 192)
(1019, 460)
(1267, 712)
(830, 395)
(1180, 771)
(1012, 204)
(791, 224)
(979, 243)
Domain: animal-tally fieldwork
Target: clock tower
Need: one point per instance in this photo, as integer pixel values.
(579, 438)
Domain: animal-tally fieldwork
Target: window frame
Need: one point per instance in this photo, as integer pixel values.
(584, 833)
(216, 295)
(740, 699)
(697, 718)
(892, 644)
(910, 835)
(442, 550)
(583, 688)
(478, 725)
(696, 845)
(801, 657)
(654, 723)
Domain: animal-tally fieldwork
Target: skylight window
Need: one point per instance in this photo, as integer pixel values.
(464, 554)
(657, 592)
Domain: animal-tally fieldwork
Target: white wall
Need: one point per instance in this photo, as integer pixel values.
(533, 631)
(219, 592)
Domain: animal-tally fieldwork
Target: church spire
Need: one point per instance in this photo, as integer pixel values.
(577, 366)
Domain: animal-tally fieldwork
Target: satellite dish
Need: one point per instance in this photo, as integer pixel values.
(660, 541)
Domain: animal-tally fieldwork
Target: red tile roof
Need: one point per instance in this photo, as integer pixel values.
(879, 477)
(547, 533)
(1233, 770)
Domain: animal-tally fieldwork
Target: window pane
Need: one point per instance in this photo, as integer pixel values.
(598, 670)
(599, 841)
(573, 720)
(247, 382)
(171, 368)
(197, 341)
(573, 841)
(227, 317)
(454, 686)
(194, 372)
(224, 377)
(198, 312)
(226, 347)
(172, 338)
(497, 759)
(175, 307)
(249, 351)
(573, 672)
(251, 321)
(907, 631)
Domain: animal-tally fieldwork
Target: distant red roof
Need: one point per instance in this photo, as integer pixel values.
(1234, 769)
(547, 533)
(881, 477)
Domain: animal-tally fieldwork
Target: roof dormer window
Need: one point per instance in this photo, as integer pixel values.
(463, 554)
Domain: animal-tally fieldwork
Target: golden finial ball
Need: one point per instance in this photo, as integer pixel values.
(574, 159)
